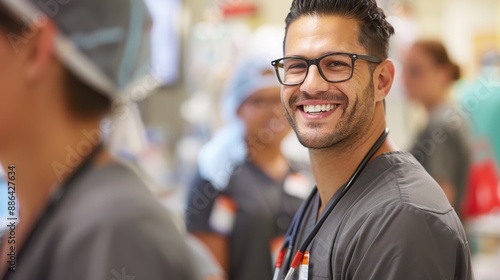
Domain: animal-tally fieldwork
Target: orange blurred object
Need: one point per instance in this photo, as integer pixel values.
(239, 9)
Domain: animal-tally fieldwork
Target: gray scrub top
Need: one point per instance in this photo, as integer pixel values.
(443, 149)
(263, 210)
(394, 223)
(108, 226)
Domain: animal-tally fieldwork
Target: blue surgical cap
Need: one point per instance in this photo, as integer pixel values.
(227, 149)
(252, 74)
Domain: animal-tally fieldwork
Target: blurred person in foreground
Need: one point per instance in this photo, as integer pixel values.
(375, 213)
(246, 192)
(443, 146)
(83, 215)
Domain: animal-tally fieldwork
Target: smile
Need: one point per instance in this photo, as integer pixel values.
(318, 109)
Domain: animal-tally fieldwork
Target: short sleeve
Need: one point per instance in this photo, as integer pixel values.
(403, 242)
(201, 199)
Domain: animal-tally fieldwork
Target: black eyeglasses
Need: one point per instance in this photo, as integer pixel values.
(333, 67)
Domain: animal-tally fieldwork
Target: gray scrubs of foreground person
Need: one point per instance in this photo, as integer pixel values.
(83, 215)
(394, 222)
(110, 226)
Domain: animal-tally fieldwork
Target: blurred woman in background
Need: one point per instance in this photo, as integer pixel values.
(246, 192)
(442, 147)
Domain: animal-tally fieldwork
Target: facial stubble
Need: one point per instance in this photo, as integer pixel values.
(353, 122)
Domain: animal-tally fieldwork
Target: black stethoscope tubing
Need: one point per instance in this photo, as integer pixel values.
(294, 228)
(291, 239)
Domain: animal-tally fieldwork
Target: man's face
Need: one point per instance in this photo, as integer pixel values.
(348, 106)
(422, 77)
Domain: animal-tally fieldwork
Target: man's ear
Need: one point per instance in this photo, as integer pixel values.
(383, 77)
(41, 47)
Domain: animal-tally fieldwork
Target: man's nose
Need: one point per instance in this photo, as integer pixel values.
(314, 83)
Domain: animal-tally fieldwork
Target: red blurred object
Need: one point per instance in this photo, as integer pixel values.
(239, 9)
(483, 190)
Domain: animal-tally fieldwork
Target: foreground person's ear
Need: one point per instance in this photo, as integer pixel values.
(40, 49)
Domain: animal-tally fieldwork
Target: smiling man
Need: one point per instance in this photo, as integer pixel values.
(376, 213)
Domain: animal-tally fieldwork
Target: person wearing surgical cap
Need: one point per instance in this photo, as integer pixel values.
(246, 192)
(66, 65)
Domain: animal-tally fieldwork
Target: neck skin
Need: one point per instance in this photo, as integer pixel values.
(34, 160)
(269, 158)
(344, 160)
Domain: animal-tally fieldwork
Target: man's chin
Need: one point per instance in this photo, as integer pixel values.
(315, 143)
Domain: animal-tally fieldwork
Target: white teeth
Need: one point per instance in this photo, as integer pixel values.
(319, 108)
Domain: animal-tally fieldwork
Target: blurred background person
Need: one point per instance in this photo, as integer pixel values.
(486, 116)
(83, 214)
(481, 102)
(481, 98)
(246, 192)
(443, 146)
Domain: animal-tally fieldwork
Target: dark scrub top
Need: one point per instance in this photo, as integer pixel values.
(253, 212)
(109, 226)
(394, 223)
(443, 149)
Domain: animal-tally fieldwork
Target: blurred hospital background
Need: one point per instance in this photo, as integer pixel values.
(197, 42)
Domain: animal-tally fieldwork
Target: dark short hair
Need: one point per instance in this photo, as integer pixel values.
(375, 30)
(83, 100)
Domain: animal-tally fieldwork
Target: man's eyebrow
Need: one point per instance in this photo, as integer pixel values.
(320, 55)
